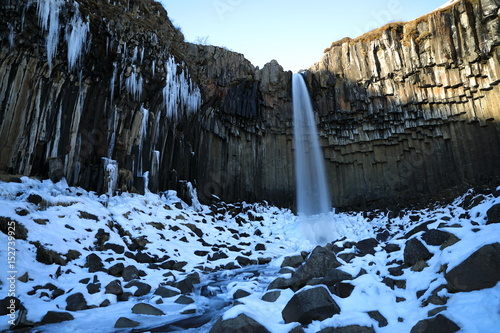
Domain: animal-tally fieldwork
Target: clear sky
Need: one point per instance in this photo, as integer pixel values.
(294, 32)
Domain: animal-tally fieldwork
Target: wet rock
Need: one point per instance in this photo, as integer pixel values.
(186, 285)
(146, 309)
(242, 323)
(76, 302)
(124, 322)
(184, 300)
(54, 317)
(280, 283)
(415, 251)
(435, 237)
(142, 288)
(310, 304)
(479, 271)
(240, 294)
(438, 324)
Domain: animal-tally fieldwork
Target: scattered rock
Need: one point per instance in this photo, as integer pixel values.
(119, 249)
(348, 329)
(13, 228)
(493, 214)
(142, 288)
(130, 273)
(481, 270)
(123, 322)
(114, 287)
(93, 288)
(242, 324)
(186, 285)
(240, 294)
(146, 309)
(184, 300)
(87, 216)
(415, 251)
(310, 304)
(317, 265)
(342, 290)
(435, 237)
(47, 256)
(377, 316)
(116, 270)
(271, 296)
(260, 247)
(94, 263)
(76, 302)
(367, 246)
(166, 292)
(243, 261)
(293, 261)
(438, 324)
(53, 317)
(34, 199)
(23, 278)
(335, 275)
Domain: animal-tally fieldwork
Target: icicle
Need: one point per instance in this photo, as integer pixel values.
(142, 135)
(134, 84)
(76, 38)
(112, 83)
(194, 198)
(12, 36)
(48, 18)
(153, 67)
(134, 55)
(142, 56)
(111, 174)
(145, 176)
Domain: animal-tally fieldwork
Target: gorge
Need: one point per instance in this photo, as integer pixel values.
(405, 111)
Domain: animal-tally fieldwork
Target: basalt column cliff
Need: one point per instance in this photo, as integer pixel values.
(109, 96)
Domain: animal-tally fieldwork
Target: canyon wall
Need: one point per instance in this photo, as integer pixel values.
(111, 97)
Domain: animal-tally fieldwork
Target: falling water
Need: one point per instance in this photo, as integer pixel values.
(313, 200)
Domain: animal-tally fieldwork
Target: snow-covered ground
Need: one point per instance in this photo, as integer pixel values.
(232, 247)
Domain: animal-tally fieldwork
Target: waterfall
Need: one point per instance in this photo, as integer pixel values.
(313, 199)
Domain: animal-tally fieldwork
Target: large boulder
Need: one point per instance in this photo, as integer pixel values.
(240, 324)
(310, 304)
(493, 214)
(481, 270)
(316, 265)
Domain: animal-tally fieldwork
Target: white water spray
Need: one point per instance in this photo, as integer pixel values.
(313, 199)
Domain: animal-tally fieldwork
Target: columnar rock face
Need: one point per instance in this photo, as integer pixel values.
(412, 108)
(110, 96)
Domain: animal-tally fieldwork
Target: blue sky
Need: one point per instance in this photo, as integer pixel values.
(294, 32)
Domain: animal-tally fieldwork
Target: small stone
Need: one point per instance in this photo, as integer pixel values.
(116, 270)
(377, 316)
(242, 324)
(142, 288)
(240, 294)
(93, 288)
(94, 263)
(367, 246)
(119, 249)
(293, 261)
(146, 309)
(184, 300)
(243, 261)
(23, 278)
(123, 322)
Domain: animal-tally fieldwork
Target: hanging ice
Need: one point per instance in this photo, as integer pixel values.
(76, 38)
(180, 95)
(134, 84)
(111, 175)
(142, 135)
(48, 18)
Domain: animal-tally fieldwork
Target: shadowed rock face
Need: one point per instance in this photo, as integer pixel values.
(404, 112)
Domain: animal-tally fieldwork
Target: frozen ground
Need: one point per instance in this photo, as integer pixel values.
(232, 247)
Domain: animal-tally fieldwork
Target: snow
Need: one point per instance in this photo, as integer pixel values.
(58, 224)
(447, 4)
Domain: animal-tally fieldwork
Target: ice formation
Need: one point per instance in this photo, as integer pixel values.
(180, 95)
(111, 172)
(134, 84)
(76, 38)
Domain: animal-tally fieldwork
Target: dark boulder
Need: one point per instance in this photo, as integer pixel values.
(142, 288)
(493, 214)
(309, 305)
(240, 324)
(481, 270)
(415, 251)
(130, 273)
(316, 265)
(366, 246)
(348, 329)
(94, 263)
(76, 302)
(435, 237)
(53, 317)
(123, 322)
(438, 324)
